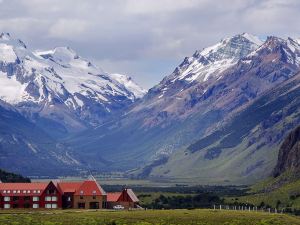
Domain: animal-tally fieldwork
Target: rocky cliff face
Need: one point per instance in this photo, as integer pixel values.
(289, 154)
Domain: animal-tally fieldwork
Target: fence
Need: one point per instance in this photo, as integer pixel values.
(248, 208)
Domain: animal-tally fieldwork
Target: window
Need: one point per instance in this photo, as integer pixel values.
(4, 191)
(18, 191)
(15, 198)
(35, 199)
(54, 198)
(26, 205)
(94, 205)
(15, 206)
(81, 192)
(7, 199)
(51, 206)
(35, 206)
(81, 197)
(8, 191)
(94, 196)
(51, 191)
(14, 192)
(48, 198)
(28, 192)
(94, 192)
(81, 205)
(6, 206)
(38, 191)
(24, 192)
(27, 198)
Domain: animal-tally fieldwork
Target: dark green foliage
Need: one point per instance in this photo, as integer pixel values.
(204, 200)
(7, 177)
(217, 190)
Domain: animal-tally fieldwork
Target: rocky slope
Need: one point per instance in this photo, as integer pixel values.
(28, 150)
(289, 154)
(245, 149)
(201, 97)
(60, 89)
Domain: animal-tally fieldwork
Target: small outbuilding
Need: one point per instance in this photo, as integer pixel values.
(126, 198)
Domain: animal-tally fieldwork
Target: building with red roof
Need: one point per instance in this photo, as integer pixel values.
(86, 194)
(82, 195)
(126, 198)
(30, 195)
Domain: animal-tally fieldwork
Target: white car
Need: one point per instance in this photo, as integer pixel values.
(118, 207)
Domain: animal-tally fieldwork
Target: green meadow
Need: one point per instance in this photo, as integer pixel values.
(161, 217)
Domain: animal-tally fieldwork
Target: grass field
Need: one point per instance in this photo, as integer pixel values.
(200, 216)
(283, 196)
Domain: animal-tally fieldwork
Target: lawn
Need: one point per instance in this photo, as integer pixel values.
(199, 216)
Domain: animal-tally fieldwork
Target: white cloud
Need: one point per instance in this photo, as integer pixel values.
(161, 6)
(133, 33)
(69, 28)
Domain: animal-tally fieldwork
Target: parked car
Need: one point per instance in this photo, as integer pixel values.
(118, 207)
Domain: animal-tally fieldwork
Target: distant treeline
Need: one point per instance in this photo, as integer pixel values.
(204, 200)
(181, 189)
(7, 177)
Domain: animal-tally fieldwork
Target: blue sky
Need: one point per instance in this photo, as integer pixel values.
(145, 39)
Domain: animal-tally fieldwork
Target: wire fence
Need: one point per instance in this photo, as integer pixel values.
(249, 208)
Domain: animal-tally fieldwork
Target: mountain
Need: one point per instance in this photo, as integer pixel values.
(244, 150)
(217, 119)
(281, 188)
(186, 126)
(28, 150)
(289, 155)
(60, 90)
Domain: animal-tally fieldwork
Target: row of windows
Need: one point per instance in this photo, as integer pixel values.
(8, 206)
(50, 198)
(34, 199)
(19, 191)
(94, 192)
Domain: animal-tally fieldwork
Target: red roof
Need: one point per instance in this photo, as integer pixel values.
(22, 189)
(87, 187)
(132, 196)
(113, 197)
(68, 187)
(124, 196)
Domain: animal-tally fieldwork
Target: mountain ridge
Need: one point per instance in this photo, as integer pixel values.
(60, 85)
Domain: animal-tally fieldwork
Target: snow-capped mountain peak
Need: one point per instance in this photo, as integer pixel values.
(211, 61)
(127, 81)
(5, 36)
(42, 81)
(286, 49)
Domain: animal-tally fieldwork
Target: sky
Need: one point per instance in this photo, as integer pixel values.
(145, 39)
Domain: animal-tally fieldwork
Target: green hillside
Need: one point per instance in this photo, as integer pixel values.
(244, 150)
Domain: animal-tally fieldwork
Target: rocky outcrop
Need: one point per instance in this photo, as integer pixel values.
(289, 154)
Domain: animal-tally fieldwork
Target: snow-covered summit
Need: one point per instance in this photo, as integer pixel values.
(215, 59)
(127, 81)
(41, 81)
